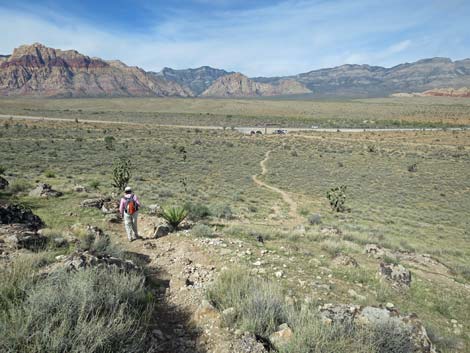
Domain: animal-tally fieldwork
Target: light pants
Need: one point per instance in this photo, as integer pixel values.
(130, 222)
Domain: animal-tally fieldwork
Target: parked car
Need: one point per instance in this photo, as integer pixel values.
(280, 132)
(314, 127)
(259, 132)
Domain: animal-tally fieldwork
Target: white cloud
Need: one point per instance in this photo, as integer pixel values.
(286, 38)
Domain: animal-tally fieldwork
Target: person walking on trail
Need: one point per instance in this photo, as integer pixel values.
(129, 209)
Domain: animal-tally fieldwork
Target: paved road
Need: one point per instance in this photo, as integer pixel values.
(242, 129)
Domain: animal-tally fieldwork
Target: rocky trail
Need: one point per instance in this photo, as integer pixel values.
(181, 267)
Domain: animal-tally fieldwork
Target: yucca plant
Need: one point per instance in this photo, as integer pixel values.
(174, 215)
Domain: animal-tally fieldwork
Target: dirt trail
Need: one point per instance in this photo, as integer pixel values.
(294, 217)
(180, 269)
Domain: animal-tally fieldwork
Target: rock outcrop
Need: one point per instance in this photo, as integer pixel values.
(36, 70)
(238, 85)
(462, 92)
(381, 318)
(19, 228)
(45, 190)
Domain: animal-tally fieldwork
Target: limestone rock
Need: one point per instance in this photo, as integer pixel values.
(161, 230)
(96, 202)
(374, 250)
(399, 276)
(282, 336)
(345, 260)
(44, 190)
(154, 209)
(85, 259)
(248, 343)
(110, 207)
(206, 311)
(377, 317)
(113, 218)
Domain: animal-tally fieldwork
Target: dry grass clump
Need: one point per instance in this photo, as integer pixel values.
(259, 307)
(94, 310)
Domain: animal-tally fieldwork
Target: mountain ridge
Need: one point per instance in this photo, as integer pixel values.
(36, 70)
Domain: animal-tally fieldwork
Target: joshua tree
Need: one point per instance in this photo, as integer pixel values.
(121, 173)
(337, 198)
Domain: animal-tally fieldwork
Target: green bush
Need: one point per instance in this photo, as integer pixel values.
(197, 211)
(174, 215)
(96, 310)
(222, 211)
(19, 185)
(49, 174)
(202, 230)
(2, 169)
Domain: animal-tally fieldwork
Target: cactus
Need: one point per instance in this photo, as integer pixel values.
(337, 198)
(121, 173)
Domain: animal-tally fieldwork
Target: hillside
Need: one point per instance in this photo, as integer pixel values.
(36, 70)
(198, 80)
(376, 81)
(238, 85)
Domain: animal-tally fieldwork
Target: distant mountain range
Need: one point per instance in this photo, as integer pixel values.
(36, 70)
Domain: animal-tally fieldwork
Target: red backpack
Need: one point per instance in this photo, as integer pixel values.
(131, 206)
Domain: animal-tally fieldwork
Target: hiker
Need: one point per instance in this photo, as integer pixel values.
(129, 209)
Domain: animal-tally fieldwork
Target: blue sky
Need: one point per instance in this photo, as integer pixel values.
(256, 37)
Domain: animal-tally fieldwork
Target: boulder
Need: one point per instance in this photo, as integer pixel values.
(3, 183)
(381, 318)
(80, 188)
(161, 230)
(109, 207)
(113, 218)
(249, 343)
(44, 190)
(154, 209)
(282, 336)
(345, 260)
(206, 311)
(10, 214)
(20, 236)
(96, 202)
(374, 250)
(84, 259)
(398, 275)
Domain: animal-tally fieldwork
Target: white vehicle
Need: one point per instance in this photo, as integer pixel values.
(315, 127)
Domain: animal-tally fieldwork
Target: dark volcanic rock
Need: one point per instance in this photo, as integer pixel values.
(10, 214)
(3, 183)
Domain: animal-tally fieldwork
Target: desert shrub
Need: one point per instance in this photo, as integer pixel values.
(94, 184)
(174, 215)
(222, 211)
(258, 304)
(202, 230)
(2, 169)
(412, 168)
(337, 198)
(314, 219)
(121, 173)
(197, 211)
(49, 174)
(19, 185)
(109, 142)
(15, 281)
(95, 310)
(311, 335)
